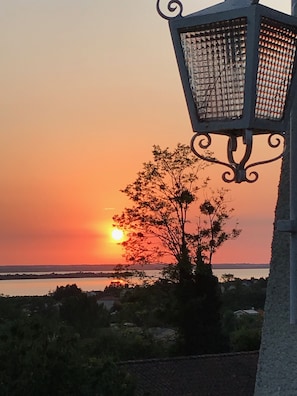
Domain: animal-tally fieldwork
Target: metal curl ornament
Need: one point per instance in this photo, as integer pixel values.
(171, 7)
(237, 170)
(278, 140)
(272, 145)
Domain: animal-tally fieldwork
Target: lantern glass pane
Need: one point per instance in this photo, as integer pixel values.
(277, 47)
(215, 57)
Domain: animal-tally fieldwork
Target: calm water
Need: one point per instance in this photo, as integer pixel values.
(40, 287)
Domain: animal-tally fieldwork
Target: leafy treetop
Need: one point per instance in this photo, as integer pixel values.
(173, 215)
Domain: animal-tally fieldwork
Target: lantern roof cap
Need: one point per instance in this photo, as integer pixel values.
(227, 5)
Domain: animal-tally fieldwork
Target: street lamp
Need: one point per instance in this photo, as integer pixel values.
(237, 62)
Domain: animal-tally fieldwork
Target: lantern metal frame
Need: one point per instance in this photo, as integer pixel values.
(248, 123)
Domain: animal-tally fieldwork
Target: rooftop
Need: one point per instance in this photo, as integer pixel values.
(206, 375)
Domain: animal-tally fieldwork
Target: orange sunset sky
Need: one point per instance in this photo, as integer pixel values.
(87, 88)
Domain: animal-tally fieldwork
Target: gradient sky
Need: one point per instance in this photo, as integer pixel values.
(87, 88)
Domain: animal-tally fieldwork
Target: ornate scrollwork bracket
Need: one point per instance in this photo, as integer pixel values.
(238, 170)
(174, 7)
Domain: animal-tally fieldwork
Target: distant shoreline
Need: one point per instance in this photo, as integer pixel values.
(90, 268)
(54, 275)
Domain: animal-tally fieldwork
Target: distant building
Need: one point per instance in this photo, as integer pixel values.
(243, 312)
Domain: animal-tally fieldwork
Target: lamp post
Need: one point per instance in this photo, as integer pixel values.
(237, 62)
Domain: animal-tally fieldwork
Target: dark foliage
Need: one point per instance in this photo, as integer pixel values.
(62, 292)
(68, 348)
(39, 358)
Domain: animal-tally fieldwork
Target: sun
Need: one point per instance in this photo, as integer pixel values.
(117, 234)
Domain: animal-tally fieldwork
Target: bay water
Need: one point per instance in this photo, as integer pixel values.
(43, 286)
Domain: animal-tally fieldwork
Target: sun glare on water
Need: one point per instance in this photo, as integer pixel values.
(117, 234)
